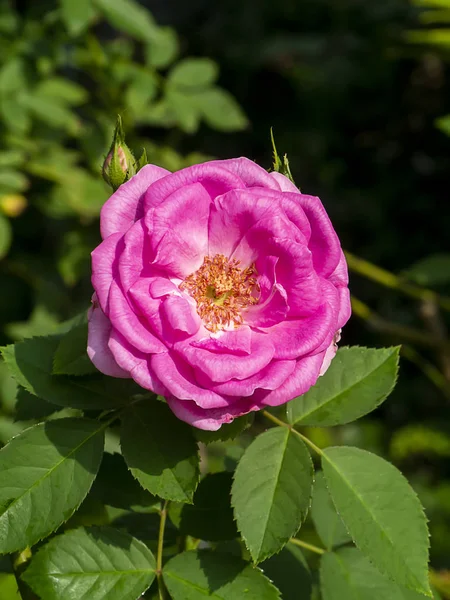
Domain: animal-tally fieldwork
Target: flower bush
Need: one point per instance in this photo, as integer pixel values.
(220, 287)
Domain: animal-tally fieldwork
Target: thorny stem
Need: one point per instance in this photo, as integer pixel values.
(307, 546)
(281, 423)
(159, 552)
(388, 279)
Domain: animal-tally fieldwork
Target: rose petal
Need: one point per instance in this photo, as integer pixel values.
(130, 325)
(270, 312)
(178, 377)
(285, 184)
(222, 367)
(237, 341)
(99, 332)
(215, 180)
(302, 379)
(124, 207)
(136, 363)
(208, 419)
(180, 315)
(104, 259)
(249, 172)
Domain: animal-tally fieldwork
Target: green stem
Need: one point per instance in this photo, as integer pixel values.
(281, 423)
(307, 546)
(403, 332)
(388, 279)
(159, 552)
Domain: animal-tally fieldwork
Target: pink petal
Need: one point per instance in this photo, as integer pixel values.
(180, 315)
(294, 271)
(222, 367)
(133, 257)
(269, 378)
(215, 180)
(302, 379)
(130, 325)
(136, 363)
(178, 377)
(237, 341)
(99, 332)
(180, 230)
(324, 243)
(270, 312)
(124, 207)
(339, 277)
(104, 259)
(299, 337)
(208, 419)
(285, 184)
(249, 172)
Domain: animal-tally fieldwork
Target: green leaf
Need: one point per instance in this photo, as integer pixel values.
(117, 487)
(160, 450)
(271, 492)
(381, 512)
(211, 516)
(193, 73)
(12, 76)
(357, 381)
(71, 354)
(196, 574)
(29, 407)
(12, 181)
(327, 522)
(163, 48)
(432, 270)
(184, 109)
(46, 472)
(347, 575)
(15, 115)
(76, 15)
(51, 111)
(5, 236)
(221, 111)
(289, 571)
(142, 89)
(99, 563)
(61, 89)
(130, 17)
(31, 362)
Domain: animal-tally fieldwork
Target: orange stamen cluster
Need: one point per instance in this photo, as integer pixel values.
(222, 290)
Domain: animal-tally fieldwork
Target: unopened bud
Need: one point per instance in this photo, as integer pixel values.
(119, 165)
(13, 205)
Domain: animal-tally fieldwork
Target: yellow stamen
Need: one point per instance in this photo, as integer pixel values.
(222, 289)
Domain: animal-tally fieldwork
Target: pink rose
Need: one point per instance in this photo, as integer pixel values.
(220, 287)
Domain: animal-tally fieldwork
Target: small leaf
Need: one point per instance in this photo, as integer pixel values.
(193, 72)
(289, 571)
(271, 491)
(29, 407)
(211, 516)
(327, 522)
(71, 354)
(99, 563)
(381, 512)
(347, 575)
(46, 472)
(130, 17)
(31, 362)
(76, 15)
(163, 48)
(160, 450)
(116, 486)
(357, 381)
(197, 574)
(221, 111)
(5, 236)
(432, 270)
(62, 89)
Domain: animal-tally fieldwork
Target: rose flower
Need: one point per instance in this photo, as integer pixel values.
(220, 287)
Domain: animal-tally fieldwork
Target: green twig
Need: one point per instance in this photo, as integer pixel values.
(402, 332)
(389, 280)
(159, 552)
(307, 546)
(281, 423)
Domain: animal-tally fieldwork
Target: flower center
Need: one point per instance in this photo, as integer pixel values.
(222, 290)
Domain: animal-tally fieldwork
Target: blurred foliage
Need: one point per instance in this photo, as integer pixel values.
(354, 91)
